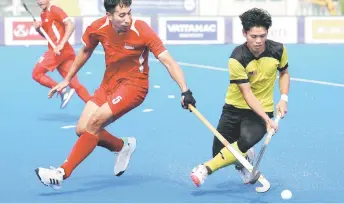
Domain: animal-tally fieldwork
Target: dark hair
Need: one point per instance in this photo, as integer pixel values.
(110, 5)
(255, 18)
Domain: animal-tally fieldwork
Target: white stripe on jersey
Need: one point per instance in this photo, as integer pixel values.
(56, 32)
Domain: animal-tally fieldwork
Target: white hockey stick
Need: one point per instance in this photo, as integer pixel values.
(255, 173)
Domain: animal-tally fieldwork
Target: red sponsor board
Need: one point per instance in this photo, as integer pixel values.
(20, 31)
(23, 30)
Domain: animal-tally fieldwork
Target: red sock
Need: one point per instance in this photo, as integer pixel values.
(83, 93)
(82, 148)
(109, 141)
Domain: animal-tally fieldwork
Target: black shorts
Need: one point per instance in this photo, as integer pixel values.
(241, 125)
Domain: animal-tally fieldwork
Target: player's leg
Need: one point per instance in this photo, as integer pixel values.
(229, 127)
(75, 84)
(67, 93)
(83, 147)
(106, 140)
(122, 100)
(45, 63)
(48, 62)
(252, 130)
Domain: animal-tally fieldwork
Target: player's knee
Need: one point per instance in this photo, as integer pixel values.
(244, 146)
(247, 141)
(79, 130)
(94, 124)
(36, 75)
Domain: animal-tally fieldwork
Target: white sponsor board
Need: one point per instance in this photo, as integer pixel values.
(324, 29)
(192, 30)
(283, 29)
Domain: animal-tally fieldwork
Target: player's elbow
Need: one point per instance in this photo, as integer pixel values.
(172, 66)
(248, 97)
(70, 25)
(245, 89)
(166, 59)
(246, 92)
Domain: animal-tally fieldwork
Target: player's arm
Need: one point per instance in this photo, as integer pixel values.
(252, 100)
(69, 26)
(173, 69)
(68, 23)
(284, 77)
(155, 45)
(83, 55)
(284, 82)
(239, 77)
(177, 75)
(90, 43)
(37, 25)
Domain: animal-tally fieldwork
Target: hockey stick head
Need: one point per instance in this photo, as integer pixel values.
(254, 178)
(265, 185)
(263, 189)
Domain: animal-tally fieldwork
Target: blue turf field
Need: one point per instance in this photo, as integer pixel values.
(306, 156)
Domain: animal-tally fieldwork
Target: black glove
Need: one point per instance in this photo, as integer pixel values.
(188, 99)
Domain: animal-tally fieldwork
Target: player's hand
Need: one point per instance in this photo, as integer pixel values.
(187, 99)
(282, 108)
(270, 124)
(37, 24)
(58, 49)
(59, 87)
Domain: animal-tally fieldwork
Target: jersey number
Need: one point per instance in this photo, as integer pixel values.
(116, 100)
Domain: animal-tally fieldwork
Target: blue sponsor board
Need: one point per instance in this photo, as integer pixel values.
(191, 30)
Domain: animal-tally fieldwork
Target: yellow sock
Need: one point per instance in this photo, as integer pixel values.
(223, 158)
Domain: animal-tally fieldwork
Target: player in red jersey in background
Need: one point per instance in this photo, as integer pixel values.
(126, 43)
(59, 27)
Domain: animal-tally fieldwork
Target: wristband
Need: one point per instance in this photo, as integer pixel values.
(284, 97)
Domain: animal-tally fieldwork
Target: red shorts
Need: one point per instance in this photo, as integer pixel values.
(50, 60)
(121, 98)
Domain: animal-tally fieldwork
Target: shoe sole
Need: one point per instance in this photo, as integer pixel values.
(131, 152)
(65, 103)
(40, 179)
(195, 180)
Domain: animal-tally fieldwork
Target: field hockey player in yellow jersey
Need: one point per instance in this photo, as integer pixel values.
(249, 106)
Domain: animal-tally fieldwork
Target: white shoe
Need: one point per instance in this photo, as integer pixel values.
(51, 177)
(66, 95)
(199, 174)
(244, 173)
(123, 156)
